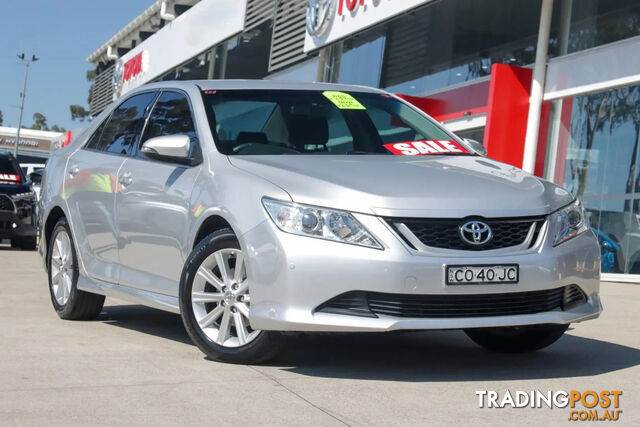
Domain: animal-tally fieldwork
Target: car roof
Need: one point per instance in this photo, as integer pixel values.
(255, 85)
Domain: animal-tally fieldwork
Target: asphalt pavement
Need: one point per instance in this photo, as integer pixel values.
(136, 366)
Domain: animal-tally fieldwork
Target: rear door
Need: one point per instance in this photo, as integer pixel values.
(153, 207)
(91, 185)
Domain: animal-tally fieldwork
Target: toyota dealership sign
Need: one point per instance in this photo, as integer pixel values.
(332, 20)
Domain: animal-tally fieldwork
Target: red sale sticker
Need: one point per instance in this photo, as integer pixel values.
(426, 147)
(9, 177)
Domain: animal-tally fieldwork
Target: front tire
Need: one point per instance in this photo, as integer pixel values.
(69, 302)
(215, 303)
(518, 339)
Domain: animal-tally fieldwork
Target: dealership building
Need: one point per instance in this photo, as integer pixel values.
(34, 146)
(552, 86)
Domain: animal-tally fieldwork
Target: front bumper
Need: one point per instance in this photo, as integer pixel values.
(14, 225)
(291, 276)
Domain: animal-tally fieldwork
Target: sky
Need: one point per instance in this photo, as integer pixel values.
(62, 33)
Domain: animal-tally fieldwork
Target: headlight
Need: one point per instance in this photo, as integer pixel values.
(318, 222)
(568, 222)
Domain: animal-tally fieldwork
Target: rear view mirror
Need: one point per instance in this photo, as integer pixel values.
(35, 177)
(476, 146)
(169, 148)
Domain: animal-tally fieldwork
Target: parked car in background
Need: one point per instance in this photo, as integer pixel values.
(17, 205)
(27, 168)
(35, 178)
(256, 207)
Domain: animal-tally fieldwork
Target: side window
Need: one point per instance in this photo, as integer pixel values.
(95, 137)
(171, 115)
(123, 130)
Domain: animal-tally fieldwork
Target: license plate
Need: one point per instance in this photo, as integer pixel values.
(481, 274)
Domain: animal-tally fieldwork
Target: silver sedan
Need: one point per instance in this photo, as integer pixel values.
(256, 207)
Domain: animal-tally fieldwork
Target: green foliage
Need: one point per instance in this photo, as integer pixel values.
(91, 74)
(78, 112)
(39, 122)
(55, 128)
(1, 118)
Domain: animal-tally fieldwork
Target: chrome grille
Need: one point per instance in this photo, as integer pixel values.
(444, 233)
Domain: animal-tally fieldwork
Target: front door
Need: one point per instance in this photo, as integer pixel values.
(153, 207)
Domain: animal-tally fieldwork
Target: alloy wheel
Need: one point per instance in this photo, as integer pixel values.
(62, 267)
(220, 299)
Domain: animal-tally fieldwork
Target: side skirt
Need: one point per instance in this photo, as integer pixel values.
(137, 296)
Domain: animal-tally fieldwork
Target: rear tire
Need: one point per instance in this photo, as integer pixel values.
(518, 339)
(215, 304)
(62, 264)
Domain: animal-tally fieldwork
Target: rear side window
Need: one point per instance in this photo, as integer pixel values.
(123, 129)
(95, 138)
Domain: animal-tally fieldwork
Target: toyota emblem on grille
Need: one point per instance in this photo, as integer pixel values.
(476, 233)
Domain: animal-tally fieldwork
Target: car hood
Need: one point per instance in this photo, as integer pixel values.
(438, 186)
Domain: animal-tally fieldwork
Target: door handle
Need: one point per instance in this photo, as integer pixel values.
(73, 171)
(126, 179)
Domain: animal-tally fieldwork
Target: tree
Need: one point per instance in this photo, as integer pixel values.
(78, 112)
(55, 128)
(39, 122)
(0, 117)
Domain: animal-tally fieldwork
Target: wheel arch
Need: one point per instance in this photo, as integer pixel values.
(52, 219)
(210, 225)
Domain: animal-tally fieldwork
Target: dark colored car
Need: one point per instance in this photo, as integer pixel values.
(17, 205)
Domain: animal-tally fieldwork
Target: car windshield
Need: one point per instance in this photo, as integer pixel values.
(8, 172)
(261, 122)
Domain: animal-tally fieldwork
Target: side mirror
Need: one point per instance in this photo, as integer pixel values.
(168, 148)
(476, 146)
(35, 177)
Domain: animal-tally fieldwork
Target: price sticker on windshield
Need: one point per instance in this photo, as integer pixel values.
(343, 100)
(426, 147)
(9, 177)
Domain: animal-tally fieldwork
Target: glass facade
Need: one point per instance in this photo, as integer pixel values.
(598, 161)
(583, 24)
(245, 56)
(452, 42)
(361, 61)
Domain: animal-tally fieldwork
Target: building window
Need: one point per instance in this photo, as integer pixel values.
(361, 61)
(306, 71)
(247, 55)
(195, 69)
(597, 158)
(455, 41)
(583, 24)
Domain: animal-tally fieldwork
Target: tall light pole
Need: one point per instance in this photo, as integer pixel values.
(27, 63)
